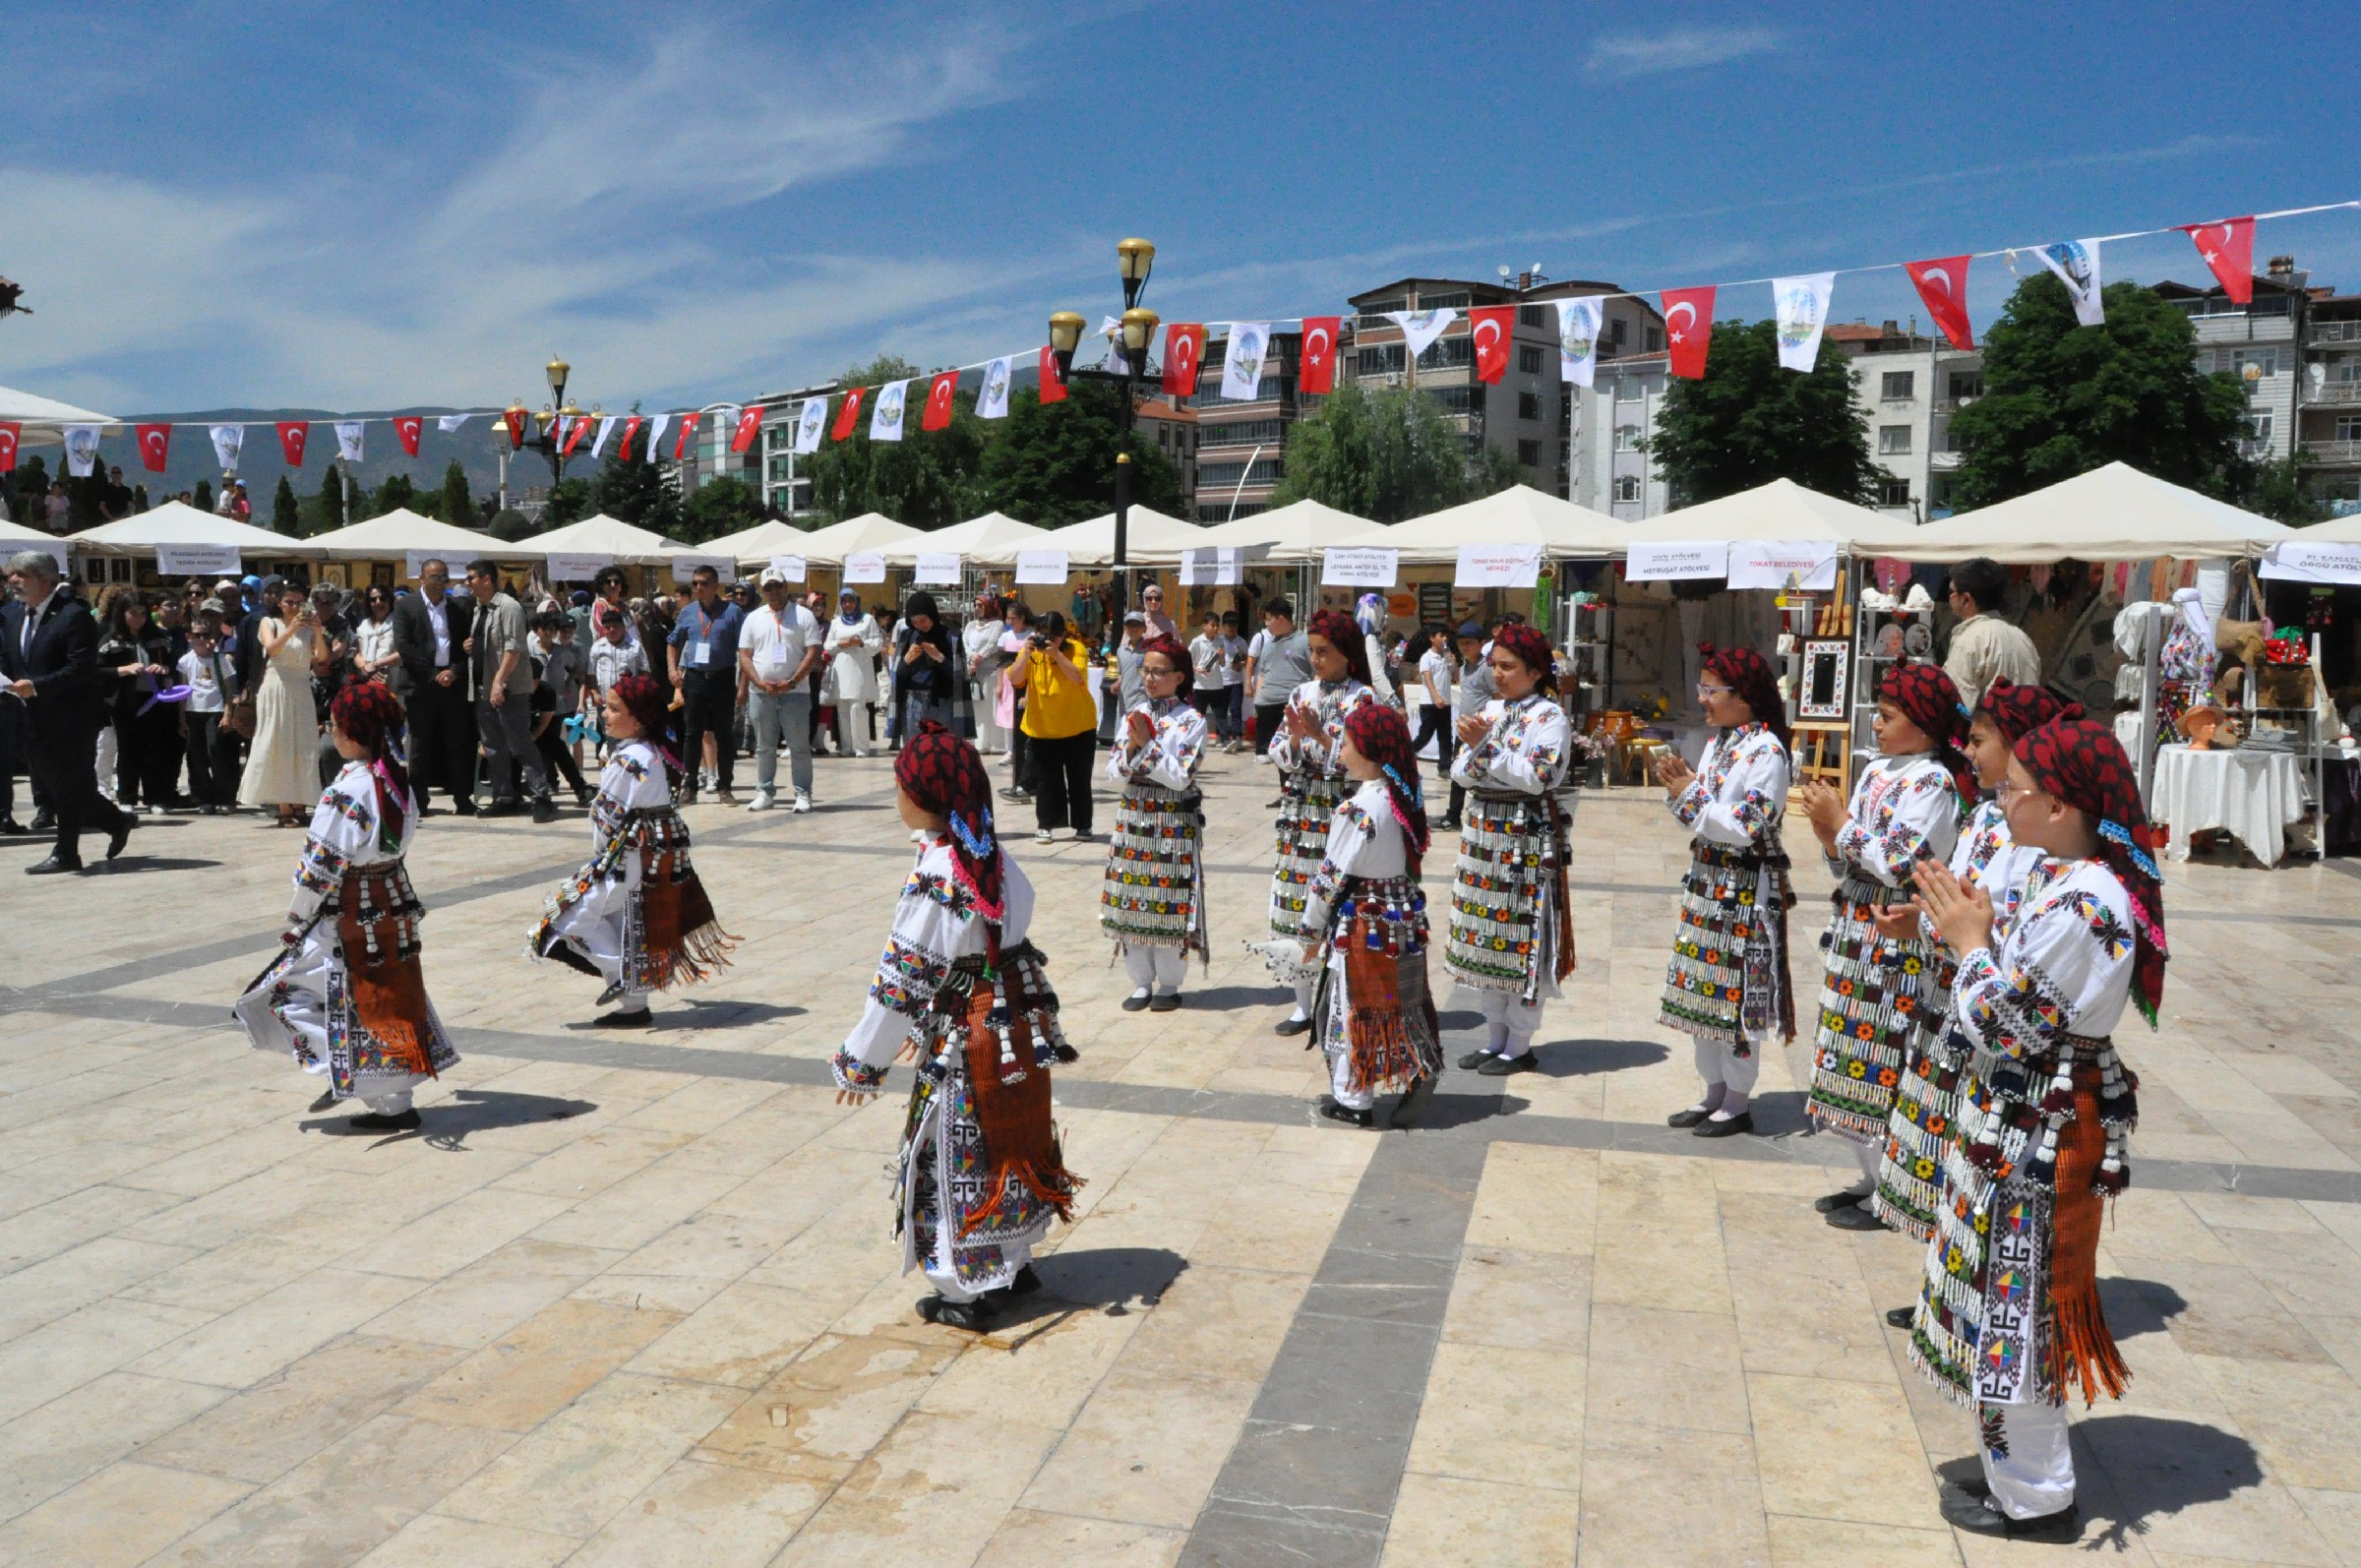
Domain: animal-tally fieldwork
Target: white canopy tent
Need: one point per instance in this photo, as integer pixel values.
(178, 524)
(755, 546)
(1150, 539)
(403, 533)
(612, 537)
(868, 532)
(1519, 515)
(44, 419)
(1297, 531)
(2110, 513)
(992, 540)
(1780, 509)
(15, 536)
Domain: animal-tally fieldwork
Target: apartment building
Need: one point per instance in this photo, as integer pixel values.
(2328, 415)
(1173, 430)
(1609, 425)
(1240, 444)
(1908, 383)
(2261, 338)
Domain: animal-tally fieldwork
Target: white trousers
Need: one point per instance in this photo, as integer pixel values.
(2026, 1458)
(1340, 1078)
(946, 1278)
(1303, 990)
(1505, 1011)
(1156, 968)
(1718, 1063)
(389, 1104)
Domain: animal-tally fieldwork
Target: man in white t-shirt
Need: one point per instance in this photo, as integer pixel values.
(777, 648)
(1209, 659)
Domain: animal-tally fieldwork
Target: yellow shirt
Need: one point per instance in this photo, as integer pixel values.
(1055, 707)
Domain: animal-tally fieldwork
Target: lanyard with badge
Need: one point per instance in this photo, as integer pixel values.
(699, 654)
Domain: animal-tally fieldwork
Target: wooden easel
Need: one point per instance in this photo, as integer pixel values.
(1822, 751)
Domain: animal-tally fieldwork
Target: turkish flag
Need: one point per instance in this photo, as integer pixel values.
(1943, 286)
(1490, 326)
(10, 432)
(2228, 248)
(750, 425)
(575, 433)
(292, 434)
(1183, 352)
(1053, 380)
(938, 402)
(515, 420)
(687, 436)
(848, 417)
(155, 445)
(1688, 328)
(406, 430)
(1317, 368)
(631, 427)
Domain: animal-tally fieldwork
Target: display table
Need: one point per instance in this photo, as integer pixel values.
(2252, 795)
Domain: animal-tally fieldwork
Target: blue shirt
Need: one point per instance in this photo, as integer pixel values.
(717, 630)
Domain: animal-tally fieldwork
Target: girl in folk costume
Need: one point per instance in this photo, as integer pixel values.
(635, 916)
(961, 989)
(1309, 751)
(1910, 1177)
(1906, 812)
(1364, 930)
(1512, 934)
(2010, 1315)
(1727, 987)
(1153, 904)
(347, 996)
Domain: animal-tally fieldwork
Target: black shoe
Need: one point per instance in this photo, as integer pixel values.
(974, 1316)
(1276, 800)
(121, 836)
(545, 810)
(1978, 1517)
(1135, 1004)
(44, 822)
(1013, 795)
(641, 1019)
(1855, 1217)
(1168, 1001)
(467, 809)
(1727, 1127)
(1291, 1026)
(1474, 1061)
(52, 867)
(1686, 1119)
(1903, 1317)
(326, 1102)
(406, 1122)
(1334, 1112)
(504, 808)
(1412, 1104)
(1844, 1199)
(10, 827)
(1026, 1282)
(584, 796)
(1508, 1066)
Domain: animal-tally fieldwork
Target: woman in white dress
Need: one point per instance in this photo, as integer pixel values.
(1152, 905)
(1309, 752)
(980, 643)
(851, 683)
(282, 769)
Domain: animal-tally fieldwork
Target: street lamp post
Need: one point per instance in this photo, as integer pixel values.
(1135, 260)
(553, 419)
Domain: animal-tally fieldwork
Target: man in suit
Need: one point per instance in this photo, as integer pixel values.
(430, 635)
(49, 645)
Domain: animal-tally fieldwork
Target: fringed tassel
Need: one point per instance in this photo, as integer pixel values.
(701, 954)
(2083, 1351)
(1386, 1050)
(1051, 1186)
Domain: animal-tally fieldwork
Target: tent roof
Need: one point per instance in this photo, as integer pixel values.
(177, 523)
(2110, 513)
(1147, 536)
(1519, 515)
(44, 419)
(758, 544)
(2337, 530)
(994, 539)
(1778, 510)
(1297, 531)
(401, 532)
(870, 532)
(602, 535)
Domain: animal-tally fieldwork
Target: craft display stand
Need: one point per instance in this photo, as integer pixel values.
(1823, 754)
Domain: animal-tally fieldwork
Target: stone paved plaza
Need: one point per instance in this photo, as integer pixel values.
(632, 1300)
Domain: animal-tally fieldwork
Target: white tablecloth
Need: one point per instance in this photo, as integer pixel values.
(2252, 794)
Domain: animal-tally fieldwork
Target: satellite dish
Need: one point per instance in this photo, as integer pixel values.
(1504, 271)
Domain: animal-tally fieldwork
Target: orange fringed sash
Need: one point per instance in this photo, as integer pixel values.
(381, 957)
(1390, 1019)
(684, 937)
(2081, 1349)
(1020, 1141)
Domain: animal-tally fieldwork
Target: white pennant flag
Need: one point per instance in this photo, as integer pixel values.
(1242, 362)
(808, 424)
(2076, 261)
(606, 428)
(227, 440)
(1800, 305)
(885, 420)
(655, 433)
(82, 450)
(1420, 327)
(348, 440)
(450, 424)
(993, 401)
(1577, 340)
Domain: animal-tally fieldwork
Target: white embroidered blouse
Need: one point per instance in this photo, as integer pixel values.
(1741, 791)
(1328, 702)
(1525, 750)
(1171, 755)
(1903, 808)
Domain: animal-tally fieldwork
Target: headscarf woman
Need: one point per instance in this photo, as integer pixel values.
(961, 989)
(1308, 749)
(849, 685)
(1152, 905)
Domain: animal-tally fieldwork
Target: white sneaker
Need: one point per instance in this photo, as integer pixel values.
(1042, 837)
(802, 802)
(707, 780)
(762, 801)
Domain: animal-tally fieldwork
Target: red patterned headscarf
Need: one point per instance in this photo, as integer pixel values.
(1170, 646)
(1344, 634)
(2016, 711)
(1928, 699)
(649, 701)
(2080, 762)
(371, 716)
(1378, 733)
(944, 774)
(1748, 676)
(1533, 651)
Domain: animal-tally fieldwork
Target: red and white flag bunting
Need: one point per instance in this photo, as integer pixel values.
(687, 436)
(940, 393)
(575, 429)
(1053, 380)
(9, 434)
(1491, 327)
(848, 417)
(750, 425)
(292, 435)
(406, 430)
(155, 446)
(2228, 248)
(1316, 366)
(631, 427)
(1183, 352)
(1943, 287)
(515, 420)
(1688, 329)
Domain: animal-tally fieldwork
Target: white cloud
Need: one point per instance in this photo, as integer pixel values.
(1633, 54)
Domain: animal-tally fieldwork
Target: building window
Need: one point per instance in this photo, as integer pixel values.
(1656, 341)
(1529, 360)
(1242, 433)
(1454, 400)
(1382, 359)
(1528, 405)
(1952, 440)
(1966, 385)
(1529, 453)
(1894, 441)
(1533, 314)
(1898, 387)
(2265, 360)
(1631, 389)
(1221, 475)
(1450, 300)
(1616, 333)
(1893, 493)
(1627, 438)
(1448, 352)
(2257, 428)
(2349, 427)
(1627, 487)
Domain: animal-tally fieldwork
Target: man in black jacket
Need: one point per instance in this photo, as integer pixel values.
(49, 652)
(430, 635)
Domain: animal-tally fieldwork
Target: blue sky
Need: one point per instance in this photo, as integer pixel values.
(367, 206)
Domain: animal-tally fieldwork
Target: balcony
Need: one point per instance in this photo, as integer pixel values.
(2334, 333)
(1945, 462)
(2332, 454)
(2334, 391)
(1950, 405)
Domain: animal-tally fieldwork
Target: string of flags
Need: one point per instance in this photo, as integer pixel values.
(1800, 308)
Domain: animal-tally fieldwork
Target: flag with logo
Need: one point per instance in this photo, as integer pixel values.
(1242, 362)
(2075, 264)
(1943, 288)
(993, 401)
(655, 434)
(606, 428)
(348, 440)
(1420, 327)
(1578, 322)
(1800, 313)
(82, 450)
(1316, 366)
(450, 424)
(885, 419)
(228, 442)
(809, 424)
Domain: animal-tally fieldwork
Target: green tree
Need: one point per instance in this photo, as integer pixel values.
(2276, 488)
(138, 498)
(569, 500)
(1384, 455)
(397, 492)
(928, 479)
(509, 524)
(286, 513)
(1054, 464)
(2062, 399)
(202, 497)
(719, 507)
(635, 490)
(326, 509)
(459, 507)
(1748, 421)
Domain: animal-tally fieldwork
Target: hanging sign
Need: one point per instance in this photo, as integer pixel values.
(1770, 563)
(1683, 561)
(937, 568)
(197, 560)
(2300, 562)
(55, 547)
(1371, 567)
(792, 567)
(865, 565)
(1212, 567)
(1041, 567)
(574, 567)
(684, 567)
(1498, 565)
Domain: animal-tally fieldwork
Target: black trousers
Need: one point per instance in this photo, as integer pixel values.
(551, 743)
(1266, 724)
(711, 708)
(443, 745)
(65, 767)
(1020, 747)
(1061, 770)
(147, 753)
(212, 780)
(1436, 722)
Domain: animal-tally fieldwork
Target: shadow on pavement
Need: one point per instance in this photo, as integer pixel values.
(446, 1125)
(708, 1014)
(1114, 1280)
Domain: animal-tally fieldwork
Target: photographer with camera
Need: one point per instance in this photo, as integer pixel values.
(1061, 726)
